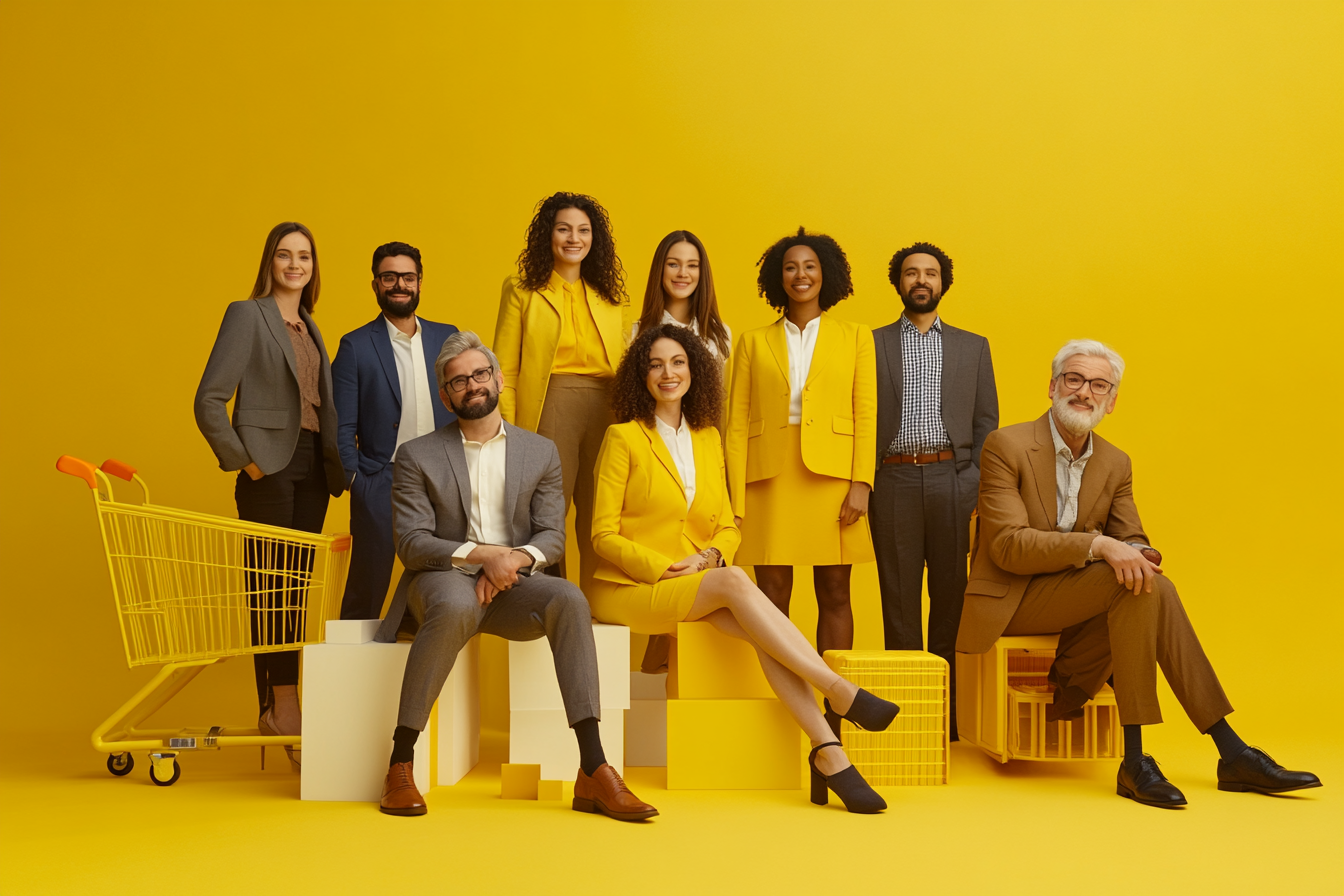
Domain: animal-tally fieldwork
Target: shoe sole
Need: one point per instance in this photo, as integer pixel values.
(1131, 795)
(596, 808)
(1251, 788)
(413, 810)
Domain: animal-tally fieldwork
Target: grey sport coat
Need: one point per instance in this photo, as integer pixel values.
(431, 504)
(254, 359)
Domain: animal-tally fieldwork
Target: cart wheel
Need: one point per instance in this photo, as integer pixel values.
(120, 764)
(177, 773)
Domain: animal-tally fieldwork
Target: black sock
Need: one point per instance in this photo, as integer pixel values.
(1133, 741)
(403, 744)
(591, 757)
(1229, 745)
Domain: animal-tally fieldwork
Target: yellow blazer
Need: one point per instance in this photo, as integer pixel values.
(641, 524)
(839, 428)
(526, 337)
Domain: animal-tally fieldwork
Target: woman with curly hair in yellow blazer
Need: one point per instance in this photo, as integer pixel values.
(662, 494)
(802, 428)
(561, 332)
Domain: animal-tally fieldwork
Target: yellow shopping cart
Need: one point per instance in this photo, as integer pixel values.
(193, 589)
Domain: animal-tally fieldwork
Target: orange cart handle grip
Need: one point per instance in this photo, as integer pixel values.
(116, 468)
(76, 467)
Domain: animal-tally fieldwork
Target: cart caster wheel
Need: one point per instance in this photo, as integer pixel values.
(177, 773)
(120, 764)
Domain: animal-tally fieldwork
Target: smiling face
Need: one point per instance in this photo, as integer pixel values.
(802, 275)
(292, 265)
(401, 295)
(921, 286)
(475, 400)
(1079, 410)
(571, 236)
(681, 271)
(669, 375)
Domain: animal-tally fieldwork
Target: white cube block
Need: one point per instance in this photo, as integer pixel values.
(646, 733)
(532, 680)
(457, 721)
(351, 631)
(543, 737)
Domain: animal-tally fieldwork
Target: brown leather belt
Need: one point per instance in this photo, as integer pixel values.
(919, 459)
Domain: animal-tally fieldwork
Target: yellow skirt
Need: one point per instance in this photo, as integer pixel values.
(793, 519)
(647, 609)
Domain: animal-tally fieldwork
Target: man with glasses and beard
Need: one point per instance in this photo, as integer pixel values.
(384, 390)
(1060, 549)
(478, 507)
(936, 403)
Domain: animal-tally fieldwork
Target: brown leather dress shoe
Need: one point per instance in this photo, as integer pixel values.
(400, 795)
(606, 793)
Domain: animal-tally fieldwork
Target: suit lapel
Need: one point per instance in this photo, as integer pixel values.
(275, 322)
(382, 347)
(432, 344)
(826, 346)
(457, 460)
(951, 357)
(1095, 475)
(891, 337)
(779, 347)
(513, 474)
(703, 462)
(660, 451)
(1043, 467)
(603, 313)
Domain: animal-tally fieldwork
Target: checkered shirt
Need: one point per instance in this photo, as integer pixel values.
(922, 430)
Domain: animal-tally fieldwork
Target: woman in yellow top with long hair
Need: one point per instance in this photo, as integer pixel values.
(802, 428)
(561, 332)
(662, 495)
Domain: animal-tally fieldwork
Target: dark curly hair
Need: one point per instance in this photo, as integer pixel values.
(702, 404)
(600, 269)
(835, 282)
(945, 263)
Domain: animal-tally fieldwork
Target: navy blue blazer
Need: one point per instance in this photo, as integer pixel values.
(367, 393)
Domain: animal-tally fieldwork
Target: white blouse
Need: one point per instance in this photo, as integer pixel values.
(694, 327)
(678, 443)
(802, 343)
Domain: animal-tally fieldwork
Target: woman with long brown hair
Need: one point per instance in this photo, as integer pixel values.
(681, 291)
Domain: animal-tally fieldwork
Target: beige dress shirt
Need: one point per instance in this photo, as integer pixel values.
(417, 404)
(1068, 479)
(489, 523)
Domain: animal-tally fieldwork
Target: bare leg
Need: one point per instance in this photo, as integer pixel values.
(287, 715)
(776, 582)
(835, 616)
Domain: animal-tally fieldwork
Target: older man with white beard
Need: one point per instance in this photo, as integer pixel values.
(1059, 548)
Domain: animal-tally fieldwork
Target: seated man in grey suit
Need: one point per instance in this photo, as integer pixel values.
(477, 507)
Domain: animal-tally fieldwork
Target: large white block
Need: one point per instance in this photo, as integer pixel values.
(646, 733)
(457, 722)
(543, 737)
(532, 680)
(351, 631)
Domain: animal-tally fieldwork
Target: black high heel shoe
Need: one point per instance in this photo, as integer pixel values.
(848, 784)
(868, 711)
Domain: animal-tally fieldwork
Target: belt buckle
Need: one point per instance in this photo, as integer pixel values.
(925, 463)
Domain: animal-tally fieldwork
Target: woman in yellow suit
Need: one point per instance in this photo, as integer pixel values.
(802, 427)
(662, 495)
(561, 332)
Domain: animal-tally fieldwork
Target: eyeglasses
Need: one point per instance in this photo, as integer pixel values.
(1074, 381)
(390, 278)
(458, 383)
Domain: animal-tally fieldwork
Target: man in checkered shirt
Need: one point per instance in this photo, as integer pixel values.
(936, 403)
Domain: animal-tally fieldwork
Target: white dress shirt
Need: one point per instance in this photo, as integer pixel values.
(678, 443)
(417, 404)
(489, 522)
(694, 327)
(1068, 479)
(802, 343)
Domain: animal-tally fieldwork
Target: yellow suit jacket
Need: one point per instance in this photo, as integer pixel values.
(641, 524)
(839, 428)
(526, 336)
(1018, 512)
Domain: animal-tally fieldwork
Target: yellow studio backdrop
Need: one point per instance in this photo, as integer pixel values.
(1162, 176)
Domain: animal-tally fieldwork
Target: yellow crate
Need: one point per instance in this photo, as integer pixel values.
(1095, 736)
(914, 750)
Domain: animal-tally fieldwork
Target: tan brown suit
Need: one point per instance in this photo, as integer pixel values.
(1027, 578)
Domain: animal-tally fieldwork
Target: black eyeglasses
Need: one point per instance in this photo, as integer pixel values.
(1074, 381)
(458, 383)
(390, 278)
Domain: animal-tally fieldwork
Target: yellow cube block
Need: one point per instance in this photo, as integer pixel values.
(519, 781)
(732, 745)
(555, 790)
(713, 666)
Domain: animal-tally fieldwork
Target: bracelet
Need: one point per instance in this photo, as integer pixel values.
(713, 556)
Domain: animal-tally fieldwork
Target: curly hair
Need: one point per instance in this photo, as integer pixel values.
(702, 404)
(835, 281)
(600, 269)
(944, 263)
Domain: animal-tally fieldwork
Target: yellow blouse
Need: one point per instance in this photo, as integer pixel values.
(580, 351)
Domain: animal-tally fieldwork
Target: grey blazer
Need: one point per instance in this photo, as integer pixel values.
(970, 399)
(254, 359)
(431, 504)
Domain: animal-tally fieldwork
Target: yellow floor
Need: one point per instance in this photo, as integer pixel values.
(227, 827)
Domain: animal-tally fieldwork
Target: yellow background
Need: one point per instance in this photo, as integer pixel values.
(1161, 176)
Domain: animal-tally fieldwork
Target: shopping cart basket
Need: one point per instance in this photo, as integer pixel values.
(192, 590)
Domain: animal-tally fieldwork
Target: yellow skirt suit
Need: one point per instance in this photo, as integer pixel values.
(641, 526)
(788, 481)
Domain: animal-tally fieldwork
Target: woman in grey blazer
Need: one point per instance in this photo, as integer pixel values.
(269, 355)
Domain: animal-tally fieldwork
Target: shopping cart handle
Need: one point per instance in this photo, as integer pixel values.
(76, 467)
(118, 469)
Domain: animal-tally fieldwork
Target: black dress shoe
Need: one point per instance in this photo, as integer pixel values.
(1253, 769)
(1143, 782)
(869, 711)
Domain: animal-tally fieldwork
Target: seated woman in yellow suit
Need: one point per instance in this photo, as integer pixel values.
(661, 495)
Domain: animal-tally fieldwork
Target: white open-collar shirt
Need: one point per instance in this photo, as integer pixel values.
(802, 343)
(417, 404)
(489, 521)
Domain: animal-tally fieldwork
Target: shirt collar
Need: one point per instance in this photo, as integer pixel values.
(560, 284)
(397, 334)
(666, 430)
(693, 326)
(907, 326)
(812, 325)
(1064, 450)
(498, 437)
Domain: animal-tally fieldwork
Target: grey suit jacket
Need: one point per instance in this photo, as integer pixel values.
(431, 504)
(254, 359)
(970, 399)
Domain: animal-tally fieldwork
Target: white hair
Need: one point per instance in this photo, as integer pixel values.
(1088, 347)
(456, 344)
